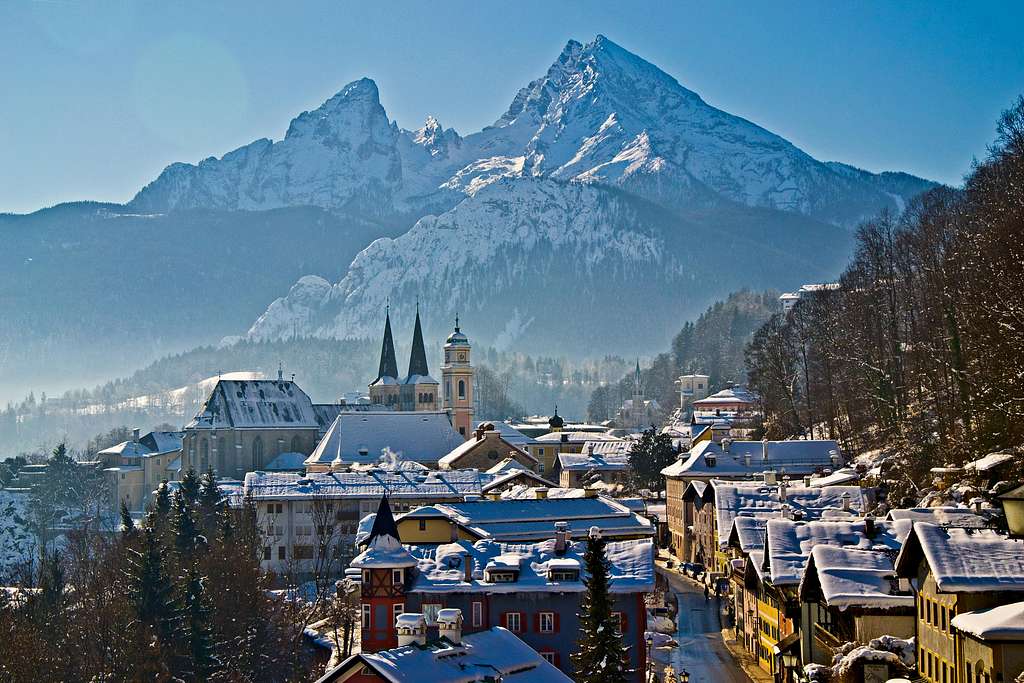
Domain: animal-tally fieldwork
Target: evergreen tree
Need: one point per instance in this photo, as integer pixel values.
(127, 523)
(601, 657)
(648, 456)
(201, 659)
(149, 588)
(209, 501)
(186, 534)
(190, 486)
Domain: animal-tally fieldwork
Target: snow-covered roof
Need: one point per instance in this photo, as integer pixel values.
(620, 447)
(593, 461)
(742, 499)
(491, 437)
(362, 437)
(154, 443)
(513, 475)
(384, 552)
(731, 396)
(751, 458)
(850, 577)
(965, 560)
(371, 484)
(989, 462)
(788, 543)
(574, 437)
(508, 432)
(442, 568)
(479, 657)
(256, 404)
(748, 533)
(525, 491)
(1005, 622)
(286, 462)
(507, 465)
(943, 516)
(524, 519)
(845, 475)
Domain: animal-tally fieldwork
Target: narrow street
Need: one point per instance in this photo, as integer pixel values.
(701, 651)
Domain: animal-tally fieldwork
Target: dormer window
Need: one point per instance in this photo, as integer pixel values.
(500, 576)
(558, 575)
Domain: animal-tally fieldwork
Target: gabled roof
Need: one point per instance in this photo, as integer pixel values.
(788, 543)
(1005, 622)
(943, 516)
(850, 577)
(154, 443)
(795, 457)
(734, 500)
(256, 404)
(575, 437)
(747, 533)
(964, 560)
(472, 443)
(362, 437)
(593, 461)
(514, 475)
(371, 484)
(480, 656)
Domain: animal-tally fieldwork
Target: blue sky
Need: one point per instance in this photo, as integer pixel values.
(97, 97)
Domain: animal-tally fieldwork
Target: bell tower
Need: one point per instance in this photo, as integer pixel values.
(457, 377)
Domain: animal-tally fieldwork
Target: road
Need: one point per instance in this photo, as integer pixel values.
(701, 650)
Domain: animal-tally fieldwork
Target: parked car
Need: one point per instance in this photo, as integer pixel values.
(696, 570)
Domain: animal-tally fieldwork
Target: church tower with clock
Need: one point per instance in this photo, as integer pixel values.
(457, 378)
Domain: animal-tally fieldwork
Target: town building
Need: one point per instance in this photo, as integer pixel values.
(485, 448)
(482, 657)
(135, 468)
(958, 576)
(736, 459)
(369, 438)
(638, 413)
(692, 388)
(417, 391)
(526, 520)
(457, 375)
(244, 424)
(735, 403)
(291, 507)
(545, 448)
(604, 461)
(531, 589)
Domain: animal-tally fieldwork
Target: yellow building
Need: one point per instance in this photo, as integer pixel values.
(135, 468)
(457, 376)
(960, 572)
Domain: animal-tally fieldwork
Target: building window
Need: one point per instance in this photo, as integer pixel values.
(547, 622)
(366, 616)
(423, 525)
(396, 610)
(550, 658)
(617, 620)
(513, 622)
(302, 552)
(366, 576)
(396, 577)
(462, 388)
(257, 453)
(478, 614)
(280, 552)
(266, 552)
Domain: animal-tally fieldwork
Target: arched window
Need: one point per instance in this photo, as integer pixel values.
(204, 455)
(296, 444)
(462, 388)
(257, 453)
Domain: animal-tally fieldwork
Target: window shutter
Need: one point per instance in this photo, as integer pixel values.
(556, 630)
(522, 622)
(536, 622)
(504, 620)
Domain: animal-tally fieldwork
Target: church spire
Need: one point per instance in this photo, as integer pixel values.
(388, 363)
(418, 358)
(637, 388)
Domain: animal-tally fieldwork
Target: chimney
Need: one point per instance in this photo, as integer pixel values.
(769, 477)
(467, 567)
(746, 460)
(479, 432)
(565, 438)
(786, 511)
(869, 526)
(726, 442)
(561, 537)
(846, 501)
(589, 492)
(807, 481)
(449, 624)
(783, 487)
(135, 434)
(764, 450)
(541, 492)
(494, 495)
(411, 628)
(711, 459)
(834, 457)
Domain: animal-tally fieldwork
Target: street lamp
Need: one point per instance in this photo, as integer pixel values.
(649, 639)
(684, 676)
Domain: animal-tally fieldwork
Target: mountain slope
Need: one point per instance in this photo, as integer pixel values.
(543, 264)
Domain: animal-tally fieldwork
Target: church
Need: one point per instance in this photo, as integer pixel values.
(418, 391)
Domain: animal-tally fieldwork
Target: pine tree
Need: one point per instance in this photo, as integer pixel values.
(186, 534)
(601, 657)
(190, 486)
(202, 659)
(127, 523)
(209, 501)
(149, 588)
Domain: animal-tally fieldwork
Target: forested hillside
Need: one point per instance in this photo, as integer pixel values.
(920, 351)
(713, 345)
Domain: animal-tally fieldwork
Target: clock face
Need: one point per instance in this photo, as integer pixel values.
(462, 356)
